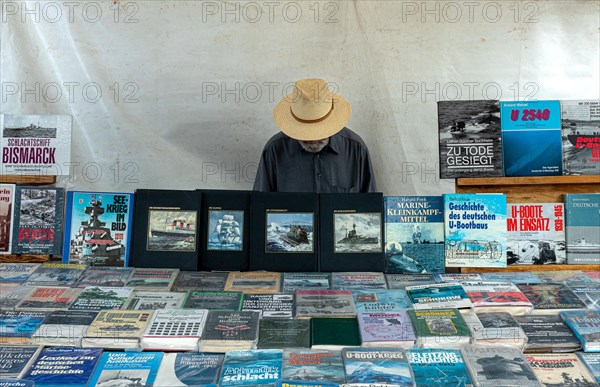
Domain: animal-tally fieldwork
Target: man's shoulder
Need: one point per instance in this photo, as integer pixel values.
(278, 140)
(349, 135)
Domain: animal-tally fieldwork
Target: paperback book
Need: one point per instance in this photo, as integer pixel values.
(101, 298)
(548, 333)
(251, 367)
(358, 280)
(16, 273)
(334, 333)
(565, 277)
(435, 296)
(293, 281)
(7, 215)
(11, 296)
(585, 324)
(15, 361)
(475, 230)
(200, 280)
(57, 367)
(497, 296)
(439, 368)
(580, 120)
(498, 366)
(63, 328)
(590, 294)
(270, 305)
(551, 298)
(536, 234)
(116, 329)
(56, 274)
(414, 234)
(495, 329)
(457, 277)
(592, 362)
(147, 300)
(531, 138)
(154, 279)
(102, 276)
(383, 300)
(174, 330)
(98, 228)
(324, 303)
(401, 281)
(469, 138)
(226, 331)
(440, 328)
(49, 298)
(368, 366)
(17, 326)
(8, 382)
(512, 277)
(583, 228)
(560, 369)
(231, 301)
(38, 220)
(253, 282)
(126, 369)
(386, 329)
(321, 365)
(189, 369)
(283, 333)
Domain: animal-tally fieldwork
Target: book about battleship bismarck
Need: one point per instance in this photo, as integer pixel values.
(166, 229)
(470, 139)
(580, 121)
(37, 145)
(225, 241)
(285, 231)
(38, 220)
(351, 232)
(98, 228)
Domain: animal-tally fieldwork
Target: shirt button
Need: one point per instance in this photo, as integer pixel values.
(318, 174)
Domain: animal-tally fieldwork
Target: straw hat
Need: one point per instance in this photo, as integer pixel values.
(312, 111)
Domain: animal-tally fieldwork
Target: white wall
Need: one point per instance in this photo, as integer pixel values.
(162, 67)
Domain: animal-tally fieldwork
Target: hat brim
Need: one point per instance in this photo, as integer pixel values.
(288, 124)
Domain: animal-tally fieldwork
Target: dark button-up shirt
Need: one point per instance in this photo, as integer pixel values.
(343, 165)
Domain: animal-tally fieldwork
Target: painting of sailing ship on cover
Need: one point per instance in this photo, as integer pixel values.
(225, 230)
(171, 230)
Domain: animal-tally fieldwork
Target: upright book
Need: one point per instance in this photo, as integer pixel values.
(285, 232)
(469, 138)
(583, 228)
(35, 144)
(126, 369)
(38, 220)
(351, 232)
(189, 369)
(166, 224)
(98, 228)
(531, 138)
(58, 367)
(536, 234)
(7, 212)
(580, 121)
(225, 243)
(475, 230)
(414, 234)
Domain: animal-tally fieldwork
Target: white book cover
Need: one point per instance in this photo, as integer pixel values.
(179, 329)
(148, 300)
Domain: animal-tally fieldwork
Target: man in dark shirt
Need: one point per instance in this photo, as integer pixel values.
(314, 152)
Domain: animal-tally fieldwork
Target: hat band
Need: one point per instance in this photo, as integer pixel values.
(313, 121)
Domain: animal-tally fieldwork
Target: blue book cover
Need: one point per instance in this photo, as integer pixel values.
(442, 295)
(7, 382)
(190, 369)
(38, 220)
(126, 369)
(475, 230)
(583, 228)
(414, 234)
(15, 360)
(314, 365)
(380, 300)
(57, 367)
(439, 367)
(17, 326)
(377, 366)
(251, 367)
(592, 362)
(16, 272)
(98, 228)
(302, 383)
(586, 326)
(531, 138)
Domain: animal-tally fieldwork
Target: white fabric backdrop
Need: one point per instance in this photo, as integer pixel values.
(187, 87)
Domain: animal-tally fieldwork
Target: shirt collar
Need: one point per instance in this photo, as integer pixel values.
(333, 146)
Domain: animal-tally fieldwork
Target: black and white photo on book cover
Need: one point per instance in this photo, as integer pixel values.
(171, 230)
(289, 232)
(225, 230)
(357, 232)
(580, 123)
(35, 144)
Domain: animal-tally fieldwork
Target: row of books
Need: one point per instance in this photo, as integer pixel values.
(240, 230)
(471, 366)
(491, 138)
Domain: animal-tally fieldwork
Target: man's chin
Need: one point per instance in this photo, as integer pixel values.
(314, 146)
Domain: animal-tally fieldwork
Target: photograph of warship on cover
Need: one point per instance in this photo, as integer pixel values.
(357, 232)
(580, 123)
(16, 126)
(38, 208)
(123, 378)
(170, 230)
(289, 232)
(225, 230)
(93, 243)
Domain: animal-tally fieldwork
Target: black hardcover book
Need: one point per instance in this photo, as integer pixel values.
(225, 236)
(351, 232)
(284, 232)
(166, 229)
